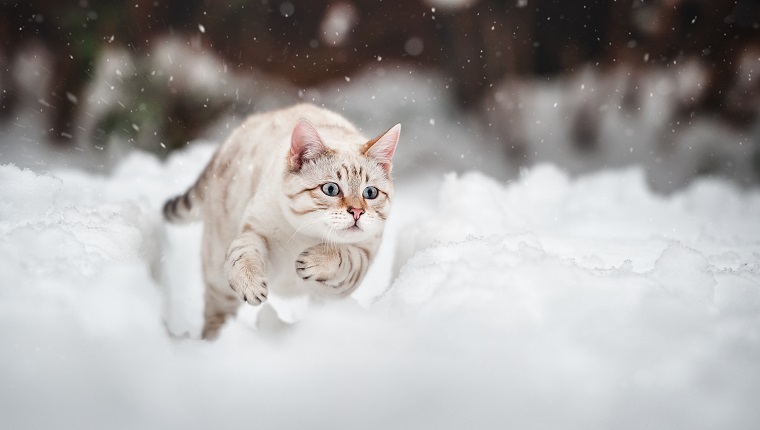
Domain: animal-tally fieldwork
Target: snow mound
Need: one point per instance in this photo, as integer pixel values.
(604, 218)
(592, 295)
(542, 303)
(26, 195)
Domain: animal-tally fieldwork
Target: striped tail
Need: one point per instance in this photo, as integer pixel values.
(182, 209)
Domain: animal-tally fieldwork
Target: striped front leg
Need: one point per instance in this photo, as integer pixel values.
(339, 267)
(245, 266)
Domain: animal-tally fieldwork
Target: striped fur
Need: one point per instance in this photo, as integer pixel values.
(269, 228)
(338, 267)
(180, 209)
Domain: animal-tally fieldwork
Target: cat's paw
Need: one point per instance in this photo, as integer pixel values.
(250, 287)
(318, 263)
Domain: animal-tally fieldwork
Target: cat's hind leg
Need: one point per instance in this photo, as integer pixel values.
(220, 304)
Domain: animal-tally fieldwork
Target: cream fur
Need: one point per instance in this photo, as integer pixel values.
(269, 229)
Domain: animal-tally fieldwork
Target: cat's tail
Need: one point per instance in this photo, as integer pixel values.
(183, 208)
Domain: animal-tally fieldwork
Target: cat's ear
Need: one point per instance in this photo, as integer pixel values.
(305, 144)
(382, 148)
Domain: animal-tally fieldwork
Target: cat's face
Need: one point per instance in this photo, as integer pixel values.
(340, 196)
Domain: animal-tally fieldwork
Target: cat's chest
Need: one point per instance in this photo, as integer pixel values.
(284, 252)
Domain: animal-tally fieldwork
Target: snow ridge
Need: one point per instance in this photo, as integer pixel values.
(547, 302)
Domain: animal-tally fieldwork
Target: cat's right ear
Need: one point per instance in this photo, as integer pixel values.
(305, 145)
(381, 149)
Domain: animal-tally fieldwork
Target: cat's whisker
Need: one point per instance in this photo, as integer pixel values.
(334, 226)
(330, 232)
(306, 224)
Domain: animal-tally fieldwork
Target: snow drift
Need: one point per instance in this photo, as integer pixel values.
(546, 302)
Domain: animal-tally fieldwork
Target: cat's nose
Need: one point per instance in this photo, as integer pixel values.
(356, 212)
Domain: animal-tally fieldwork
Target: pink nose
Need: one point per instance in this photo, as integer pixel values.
(357, 212)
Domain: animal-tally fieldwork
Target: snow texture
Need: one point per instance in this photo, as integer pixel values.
(543, 301)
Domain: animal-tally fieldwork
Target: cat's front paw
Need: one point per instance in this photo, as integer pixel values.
(250, 287)
(318, 263)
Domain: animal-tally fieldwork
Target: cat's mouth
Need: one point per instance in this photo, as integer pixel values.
(353, 228)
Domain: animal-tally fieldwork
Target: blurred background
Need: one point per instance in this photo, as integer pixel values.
(672, 86)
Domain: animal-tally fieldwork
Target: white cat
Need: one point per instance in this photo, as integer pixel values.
(294, 201)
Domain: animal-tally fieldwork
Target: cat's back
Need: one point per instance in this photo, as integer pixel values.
(280, 122)
(264, 136)
(286, 118)
(273, 129)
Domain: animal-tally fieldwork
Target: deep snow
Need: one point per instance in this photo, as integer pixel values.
(532, 300)
(543, 303)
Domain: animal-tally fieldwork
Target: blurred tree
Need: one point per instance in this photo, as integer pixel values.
(478, 44)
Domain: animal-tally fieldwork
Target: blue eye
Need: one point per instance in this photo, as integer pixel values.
(370, 193)
(331, 189)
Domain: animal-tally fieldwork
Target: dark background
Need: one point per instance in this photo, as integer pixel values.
(476, 46)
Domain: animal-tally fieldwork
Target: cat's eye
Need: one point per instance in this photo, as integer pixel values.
(370, 193)
(331, 189)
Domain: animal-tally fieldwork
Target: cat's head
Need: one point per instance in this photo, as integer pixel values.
(338, 190)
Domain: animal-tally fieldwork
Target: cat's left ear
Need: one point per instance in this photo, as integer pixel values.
(305, 144)
(382, 148)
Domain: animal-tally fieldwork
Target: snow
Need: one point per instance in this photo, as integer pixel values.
(546, 302)
(500, 299)
(450, 4)
(542, 119)
(338, 22)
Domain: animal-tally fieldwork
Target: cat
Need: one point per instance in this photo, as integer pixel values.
(295, 201)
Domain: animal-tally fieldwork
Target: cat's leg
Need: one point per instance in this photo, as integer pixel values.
(220, 303)
(244, 266)
(339, 267)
